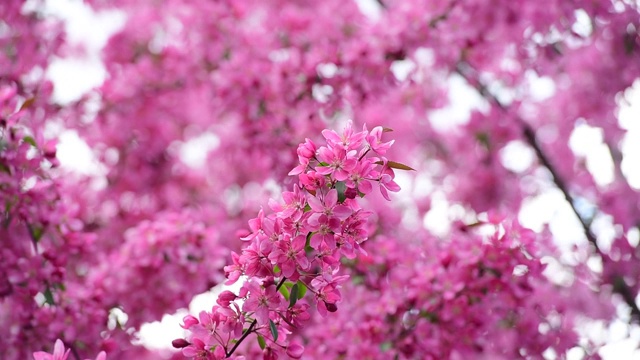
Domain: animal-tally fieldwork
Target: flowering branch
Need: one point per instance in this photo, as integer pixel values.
(301, 243)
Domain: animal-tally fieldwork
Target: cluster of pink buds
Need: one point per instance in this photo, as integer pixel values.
(292, 259)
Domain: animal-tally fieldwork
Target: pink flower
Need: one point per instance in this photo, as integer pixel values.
(256, 225)
(295, 350)
(361, 175)
(312, 180)
(327, 293)
(233, 319)
(233, 271)
(295, 202)
(348, 141)
(387, 183)
(324, 228)
(339, 162)
(328, 257)
(206, 326)
(58, 353)
(289, 255)
(196, 350)
(374, 138)
(306, 151)
(261, 301)
(255, 258)
(298, 314)
(328, 206)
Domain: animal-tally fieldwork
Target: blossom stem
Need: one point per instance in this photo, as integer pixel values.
(365, 153)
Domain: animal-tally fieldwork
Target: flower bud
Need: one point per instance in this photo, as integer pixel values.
(295, 350)
(331, 307)
(225, 298)
(180, 343)
(189, 321)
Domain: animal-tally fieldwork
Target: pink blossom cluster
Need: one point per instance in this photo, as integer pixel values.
(173, 258)
(470, 296)
(34, 224)
(29, 39)
(41, 234)
(297, 249)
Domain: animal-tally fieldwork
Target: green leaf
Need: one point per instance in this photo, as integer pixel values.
(307, 244)
(276, 269)
(7, 206)
(432, 317)
(48, 296)
(28, 103)
(399, 166)
(385, 346)
(302, 290)
(274, 330)
(261, 342)
(294, 295)
(483, 139)
(30, 140)
(341, 187)
(285, 292)
(5, 168)
(396, 165)
(36, 232)
(357, 280)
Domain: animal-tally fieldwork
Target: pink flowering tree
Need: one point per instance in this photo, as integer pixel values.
(313, 114)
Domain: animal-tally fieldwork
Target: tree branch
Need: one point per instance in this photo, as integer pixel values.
(619, 286)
